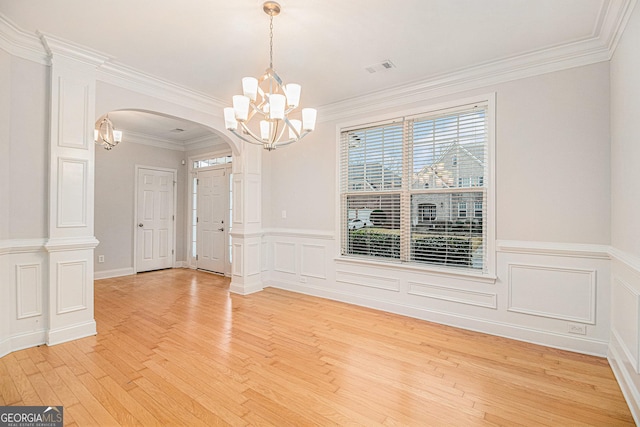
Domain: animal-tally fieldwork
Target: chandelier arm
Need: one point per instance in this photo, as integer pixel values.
(291, 127)
(248, 131)
(239, 135)
(276, 141)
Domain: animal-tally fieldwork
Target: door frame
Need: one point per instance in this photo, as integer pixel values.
(135, 212)
(191, 261)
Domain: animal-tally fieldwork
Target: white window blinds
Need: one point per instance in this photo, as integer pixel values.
(415, 190)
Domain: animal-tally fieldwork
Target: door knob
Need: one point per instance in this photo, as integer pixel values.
(221, 229)
(141, 225)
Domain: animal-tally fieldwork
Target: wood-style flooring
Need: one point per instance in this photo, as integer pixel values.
(175, 348)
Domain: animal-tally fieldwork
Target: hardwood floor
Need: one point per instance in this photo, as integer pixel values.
(175, 348)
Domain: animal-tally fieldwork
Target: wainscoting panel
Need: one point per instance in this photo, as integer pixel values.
(625, 320)
(72, 193)
(253, 258)
(368, 280)
(237, 266)
(74, 105)
(29, 290)
(560, 293)
(480, 299)
(284, 257)
(23, 282)
(539, 293)
(314, 261)
(71, 286)
(624, 345)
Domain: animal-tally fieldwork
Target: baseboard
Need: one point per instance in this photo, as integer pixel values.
(520, 333)
(21, 341)
(107, 274)
(245, 290)
(624, 373)
(74, 332)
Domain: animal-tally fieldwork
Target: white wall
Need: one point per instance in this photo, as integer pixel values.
(115, 198)
(553, 212)
(624, 352)
(27, 142)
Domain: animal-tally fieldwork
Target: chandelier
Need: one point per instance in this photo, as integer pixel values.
(272, 101)
(105, 134)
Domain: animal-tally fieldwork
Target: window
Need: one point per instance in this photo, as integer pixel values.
(477, 209)
(211, 162)
(462, 209)
(419, 177)
(426, 212)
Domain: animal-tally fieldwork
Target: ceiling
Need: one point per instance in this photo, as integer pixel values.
(326, 46)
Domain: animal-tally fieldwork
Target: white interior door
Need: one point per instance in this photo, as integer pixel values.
(155, 219)
(212, 210)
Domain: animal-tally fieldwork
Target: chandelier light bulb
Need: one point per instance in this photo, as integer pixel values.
(241, 107)
(230, 121)
(292, 91)
(309, 119)
(250, 87)
(277, 102)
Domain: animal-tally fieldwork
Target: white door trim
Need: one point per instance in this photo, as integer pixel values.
(135, 212)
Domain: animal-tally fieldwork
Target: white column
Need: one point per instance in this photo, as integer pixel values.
(246, 234)
(71, 187)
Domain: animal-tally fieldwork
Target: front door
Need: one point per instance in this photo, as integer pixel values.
(212, 210)
(155, 219)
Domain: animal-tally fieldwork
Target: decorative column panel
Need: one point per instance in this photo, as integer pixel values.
(246, 234)
(71, 188)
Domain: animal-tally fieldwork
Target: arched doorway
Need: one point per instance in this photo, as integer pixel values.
(156, 149)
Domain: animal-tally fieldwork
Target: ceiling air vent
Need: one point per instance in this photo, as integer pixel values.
(385, 65)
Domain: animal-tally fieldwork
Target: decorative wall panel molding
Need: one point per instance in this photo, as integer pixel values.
(368, 280)
(72, 192)
(480, 299)
(253, 196)
(73, 109)
(238, 199)
(237, 266)
(626, 320)
(284, 257)
(72, 284)
(559, 293)
(28, 290)
(313, 261)
(254, 259)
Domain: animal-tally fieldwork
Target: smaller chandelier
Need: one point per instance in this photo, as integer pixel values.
(105, 134)
(272, 101)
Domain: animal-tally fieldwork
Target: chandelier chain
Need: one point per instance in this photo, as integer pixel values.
(271, 41)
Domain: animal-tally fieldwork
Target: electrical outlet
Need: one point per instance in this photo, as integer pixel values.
(284, 214)
(577, 328)
(100, 258)
(303, 279)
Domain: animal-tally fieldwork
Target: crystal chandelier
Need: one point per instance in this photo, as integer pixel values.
(272, 101)
(105, 134)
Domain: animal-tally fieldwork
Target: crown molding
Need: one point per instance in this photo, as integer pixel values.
(153, 141)
(205, 141)
(129, 78)
(20, 43)
(56, 46)
(597, 48)
(144, 139)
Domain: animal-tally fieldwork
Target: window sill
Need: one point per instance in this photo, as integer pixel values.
(486, 278)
